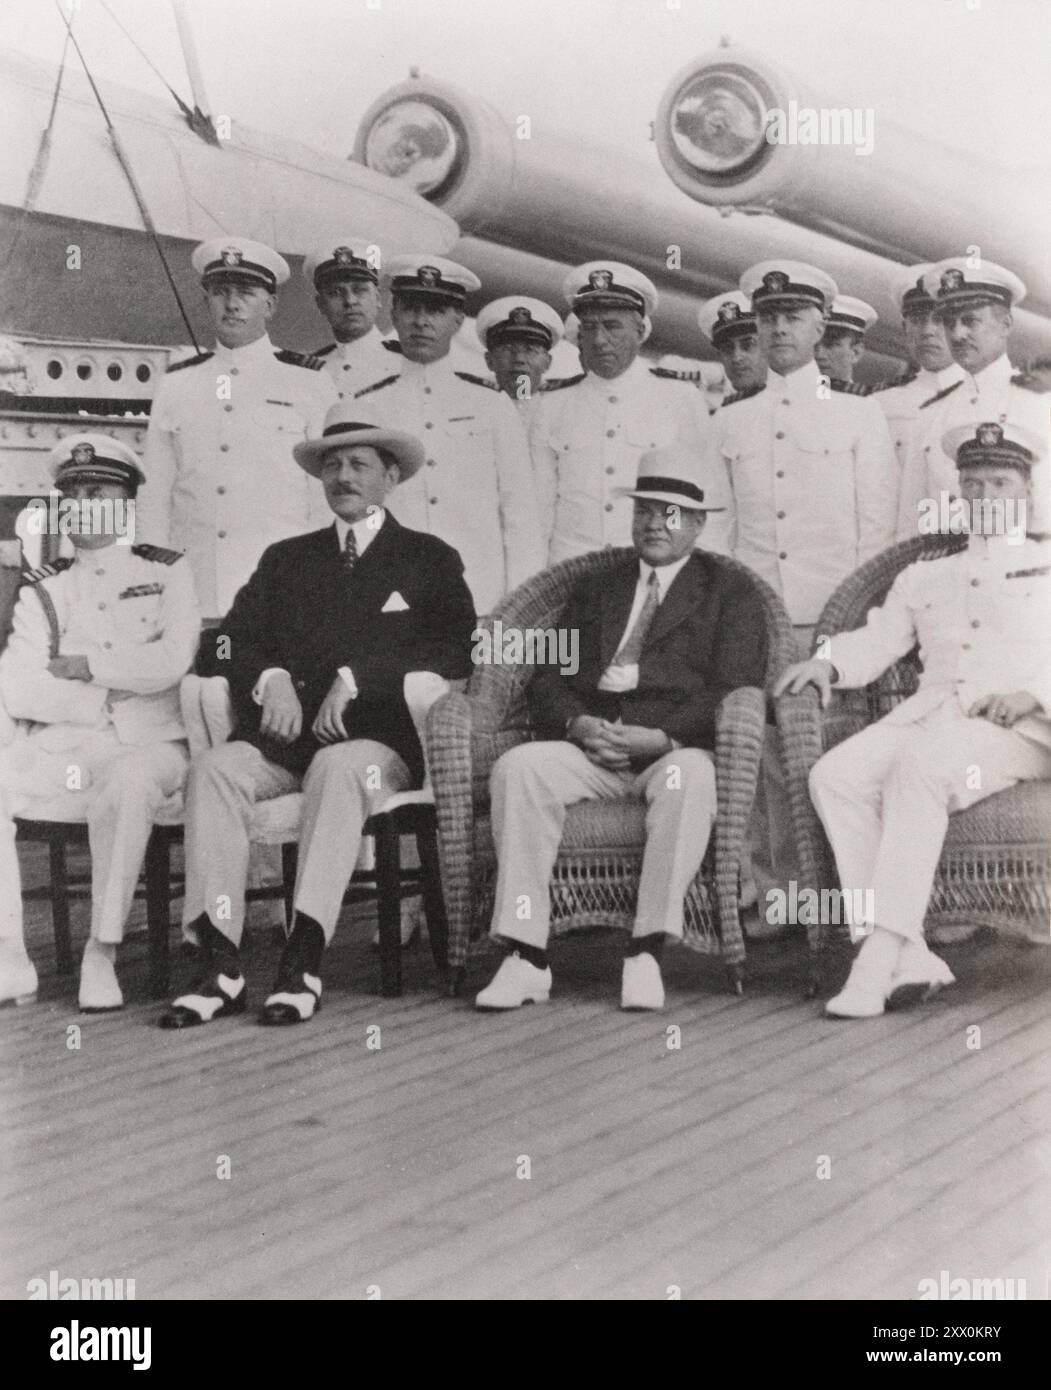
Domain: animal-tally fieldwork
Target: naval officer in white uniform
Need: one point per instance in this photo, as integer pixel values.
(344, 276)
(476, 490)
(587, 439)
(92, 667)
(813, 491)
(518, 334)
(223, 484)
(974, 303)
(981, 619)
(728, 323)
(931, 372)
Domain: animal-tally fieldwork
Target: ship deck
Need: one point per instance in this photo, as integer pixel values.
(564, 1151)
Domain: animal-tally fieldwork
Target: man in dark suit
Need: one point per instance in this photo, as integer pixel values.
(316, 649)
(662, 639)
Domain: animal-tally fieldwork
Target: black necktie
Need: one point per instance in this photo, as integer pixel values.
(350, 551)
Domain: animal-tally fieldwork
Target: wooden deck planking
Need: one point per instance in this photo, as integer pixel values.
(650, 1167)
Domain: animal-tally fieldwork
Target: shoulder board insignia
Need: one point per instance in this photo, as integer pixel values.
(299, 359)
(1029, 383)
(945, 391)
(850, 388)
(561, 382)
(744, 395)
(392, 345)
(671, 374)
(158, 553)
(46, 571)
(376, 386)
(323, 352)
(1026, 574)
(477, 380)
(194, 361)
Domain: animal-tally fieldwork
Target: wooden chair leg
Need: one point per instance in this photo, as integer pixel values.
(388, 884)
(433, 901)
(289, 867)
(60, 903)
(158, 912)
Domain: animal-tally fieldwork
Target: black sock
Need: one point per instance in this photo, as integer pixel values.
(306, 944)
(533, 954)
(648, 945)
(217, 949)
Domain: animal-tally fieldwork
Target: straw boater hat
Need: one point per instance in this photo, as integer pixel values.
(344, 427)
(670, 475)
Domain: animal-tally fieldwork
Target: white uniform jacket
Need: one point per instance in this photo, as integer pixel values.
(221, 482)
(989, 395)
(132, 612)
(353, 366)
(813, 485)
(476, 490)
(981, 618)
(902, 404)
(586, 441)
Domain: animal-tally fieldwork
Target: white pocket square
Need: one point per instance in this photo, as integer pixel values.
(395, 604)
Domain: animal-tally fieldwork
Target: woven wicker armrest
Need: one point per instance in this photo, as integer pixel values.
(802, 723)
(740, 723)
(448, 747)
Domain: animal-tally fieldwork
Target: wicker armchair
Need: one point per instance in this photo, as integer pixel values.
(596, 876)
(995, 867)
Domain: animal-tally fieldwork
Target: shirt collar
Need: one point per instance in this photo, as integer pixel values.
(365, 531)
(802, 382)
(997, 373)
(937, 381)
(251, 353)
(427, 371)
(108, 557)
(665, 573)
(629, 380)
(372, 339)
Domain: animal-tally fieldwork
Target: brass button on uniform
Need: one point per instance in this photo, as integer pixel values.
(609, 506)
(107, 645)
(608, 470)
(221, 535)
(975, 622)
(781, 516)
(780, 434)
(780, 473)
(430, 463)
(220, 490)
(101, 607)
(975, 583)
(783, 555)
(224, 448)
(228, 406)
(610, 434)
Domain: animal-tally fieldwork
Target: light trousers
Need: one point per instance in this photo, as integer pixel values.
(885, 795)
(344, 785)
(123, 788)
(533, 784)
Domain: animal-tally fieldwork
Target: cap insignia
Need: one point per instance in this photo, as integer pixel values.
(83, 454)
(231, 255)
(520, 315)
(989, 436)
(428, 276)
(600, 279)
(952, 279)
(776, 281)
(728, 312)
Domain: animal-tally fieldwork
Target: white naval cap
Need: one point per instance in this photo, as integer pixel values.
(855, 314)
(911, 291)
(346, 425)
(726, 316)
(432, 276)
(956, 284)
(515, 317)
(788, 282)
(609, 285)
(237, 258)
(348, 258)
(96, 458)
(989, 444)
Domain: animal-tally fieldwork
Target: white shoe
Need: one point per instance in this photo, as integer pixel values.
(641, 986)
(856, 1001)
(18, 979)
(868, 983)
(99, 988)
(918, 976)
(517, 982)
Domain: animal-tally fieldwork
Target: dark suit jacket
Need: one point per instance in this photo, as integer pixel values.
(301, 611)
(708, 638)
